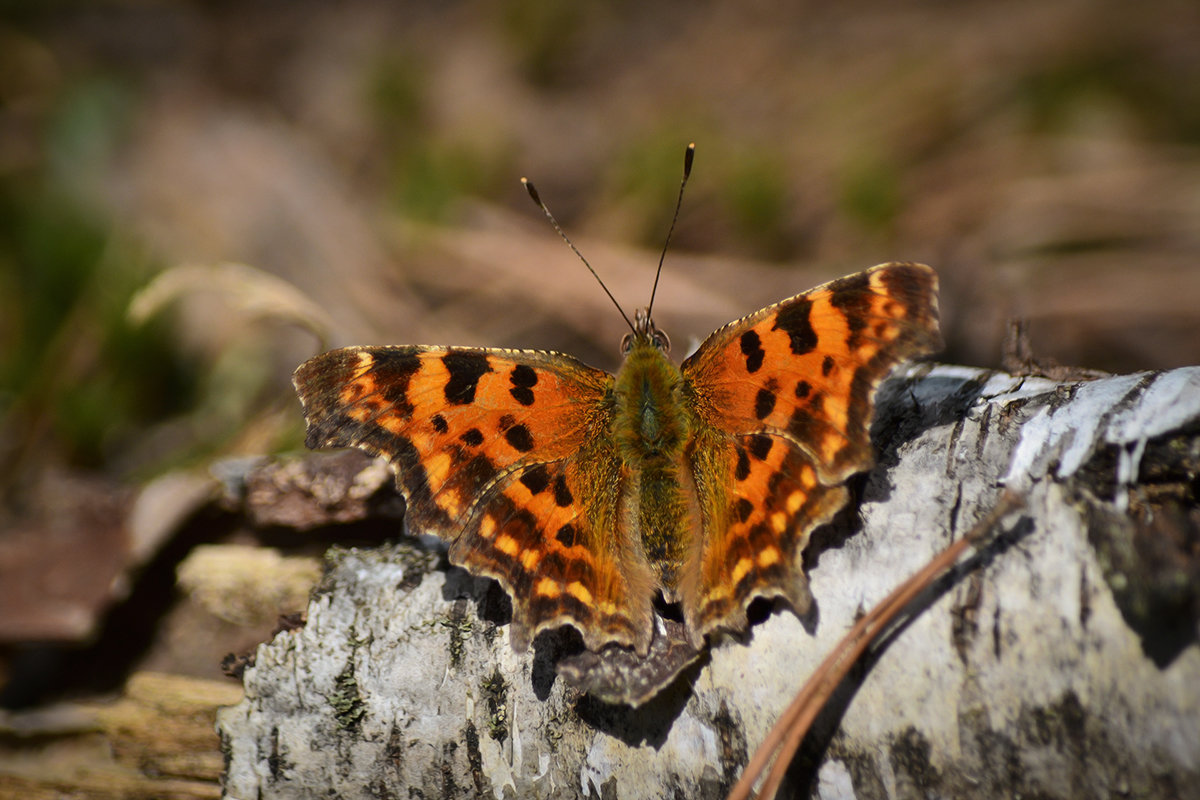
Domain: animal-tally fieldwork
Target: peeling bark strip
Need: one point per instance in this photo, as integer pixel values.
(1068, 668)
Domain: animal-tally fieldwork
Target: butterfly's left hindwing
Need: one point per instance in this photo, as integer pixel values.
(783, 400)
(506, 455)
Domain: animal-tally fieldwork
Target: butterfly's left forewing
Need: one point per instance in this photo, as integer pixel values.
(506, 455)
(783, 400)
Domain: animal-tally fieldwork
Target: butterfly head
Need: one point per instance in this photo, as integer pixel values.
(645, 333)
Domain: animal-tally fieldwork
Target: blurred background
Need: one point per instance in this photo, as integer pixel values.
(197, 196)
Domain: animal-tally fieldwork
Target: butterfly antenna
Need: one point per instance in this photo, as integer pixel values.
(688, 156)
(534, 194)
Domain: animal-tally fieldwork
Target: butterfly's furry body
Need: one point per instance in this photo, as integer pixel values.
(652, 427)
(585, 493)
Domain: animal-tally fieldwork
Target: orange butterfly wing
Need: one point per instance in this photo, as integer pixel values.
(507, 455)
(784, 398)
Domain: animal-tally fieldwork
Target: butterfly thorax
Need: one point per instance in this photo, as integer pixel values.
(652, 427)
(651, 423)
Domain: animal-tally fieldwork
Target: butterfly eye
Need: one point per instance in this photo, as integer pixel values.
(661, 341)
(626, 343)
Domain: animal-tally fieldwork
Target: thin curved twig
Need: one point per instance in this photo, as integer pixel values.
(793, 724)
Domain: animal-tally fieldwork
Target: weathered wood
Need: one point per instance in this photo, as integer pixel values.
(1067, 667)
(156, 741)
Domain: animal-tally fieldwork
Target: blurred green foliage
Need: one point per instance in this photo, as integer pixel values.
(1164, 101)
(745, 192)
(75, 376)
(870, 193)
(641, 176)
(428, 179)
(544, 35)
(427, 173)
(757, 203)
(397, 101)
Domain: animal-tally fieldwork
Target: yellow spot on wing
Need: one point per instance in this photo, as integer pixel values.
(437, 468)
(450, 502)
(487, 526)
(768, 557)
(530, 559)
(794, 501)
(547, 587)
(779, 521)
(579, 592)
(740, 569)
(507, 545)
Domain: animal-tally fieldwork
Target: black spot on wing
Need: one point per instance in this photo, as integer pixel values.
(519, 437)
(465, 368)
(742, 470)
(562, 494)
(793, 319)
(472, 437)
(536, 479)
(566, 535)
(523, 375)
(523, 378)
(439, 423)
(764, 403)
(827, 366)
(802, 389)
(752, 350)
(760, 446)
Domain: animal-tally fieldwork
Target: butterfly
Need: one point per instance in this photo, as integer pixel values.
(586, 494)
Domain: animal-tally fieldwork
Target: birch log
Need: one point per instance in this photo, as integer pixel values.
(1066, 666)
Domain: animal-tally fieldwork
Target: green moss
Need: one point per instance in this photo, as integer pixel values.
(347, 703)
(460, 628)
(495, 695)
